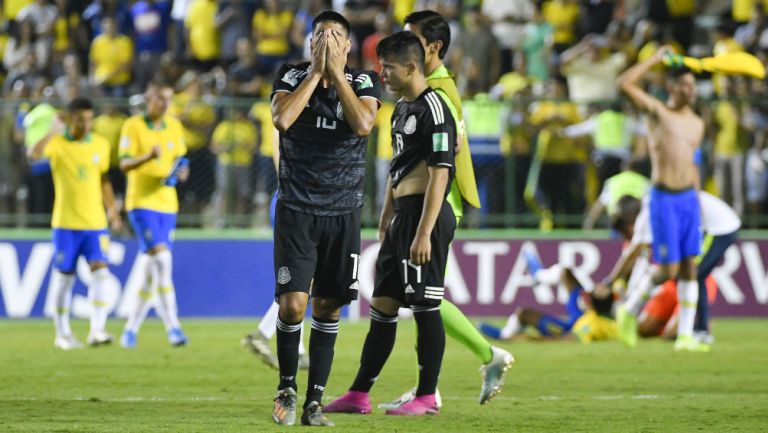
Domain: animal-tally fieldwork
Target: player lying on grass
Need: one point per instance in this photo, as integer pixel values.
(79, 163)
(588, 312)
(415, 229)
(718, 221)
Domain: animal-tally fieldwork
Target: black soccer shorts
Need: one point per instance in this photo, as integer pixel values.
(396, 276)
(323, 248)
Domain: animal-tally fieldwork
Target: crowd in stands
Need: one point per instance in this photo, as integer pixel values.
(538, 78)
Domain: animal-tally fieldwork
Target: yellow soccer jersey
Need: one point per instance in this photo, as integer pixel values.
(236, 141)
(145, 188)
(593, 327)
(77, 167)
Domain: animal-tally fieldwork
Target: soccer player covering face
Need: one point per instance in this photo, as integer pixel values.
(79, 163)
(675, 133)
(324, 112)
(415, 230)
(151, 144)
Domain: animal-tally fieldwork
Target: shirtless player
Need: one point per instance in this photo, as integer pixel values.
(675, 132)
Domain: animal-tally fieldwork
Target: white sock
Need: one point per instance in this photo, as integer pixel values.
(136, 317)
(97, 298)
(302, 350)
(549, 276)
(268, 323)
(638, 295)
(164, 262)
(511, 328)
(62, 294)
(687, 297)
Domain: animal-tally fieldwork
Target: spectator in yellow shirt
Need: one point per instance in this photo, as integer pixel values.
(561, 157)
(563, 16)
(198, 118)
(234, 143)
(271, 28)
(108, 125)
(111, 57)
(202, 34)
(727, 151)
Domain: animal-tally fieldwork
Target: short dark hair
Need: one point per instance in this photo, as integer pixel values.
(402, 47)
(79, 104)
(627, 209)
(433, 27)
(675, 72)
(331, 16)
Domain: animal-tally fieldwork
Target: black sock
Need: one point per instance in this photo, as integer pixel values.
(321, 343)
(430, 348)
(378, 345)
(288, 336)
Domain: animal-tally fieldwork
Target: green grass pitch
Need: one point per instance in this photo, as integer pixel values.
(215, 385)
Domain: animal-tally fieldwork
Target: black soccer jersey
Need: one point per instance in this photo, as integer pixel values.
(322, 161)
(422, 130)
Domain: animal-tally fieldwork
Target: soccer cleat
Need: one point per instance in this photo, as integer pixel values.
(704, 337)
(494, 373)
(259, 345)
(128, 340)
(351, 402)
(68, 342)
(533, 261)
(304, 362)
(419, 406)
(687, 343)
(313, 415)
(407, 397)
(626, 323)
(98, 338)
(284, 411)
(177, 338)
(490, 330)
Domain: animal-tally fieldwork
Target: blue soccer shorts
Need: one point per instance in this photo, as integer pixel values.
(553, 326)
(675, 224)
(153, 228)
(71, 244)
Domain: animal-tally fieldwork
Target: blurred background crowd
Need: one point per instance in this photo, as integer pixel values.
(546, 123)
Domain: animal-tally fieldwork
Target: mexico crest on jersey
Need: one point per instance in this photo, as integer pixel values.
(340, 111)
(410, 125)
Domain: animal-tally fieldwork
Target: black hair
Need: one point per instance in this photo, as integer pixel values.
(80, 104)
(602, 304)
(331, 16)
(402, 47)
(626, 212)
(433, 27)
(677, 71)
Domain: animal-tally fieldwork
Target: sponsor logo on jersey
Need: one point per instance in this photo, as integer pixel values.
(409, 289)
(283, 275)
